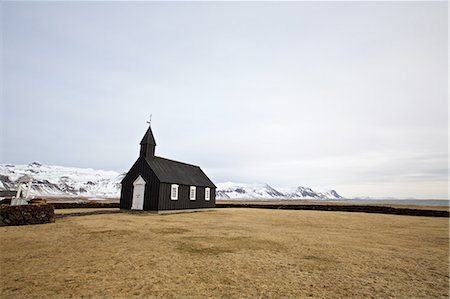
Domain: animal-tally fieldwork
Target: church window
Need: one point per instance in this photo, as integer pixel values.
(192, 193)
(207, 194)
(174, 192)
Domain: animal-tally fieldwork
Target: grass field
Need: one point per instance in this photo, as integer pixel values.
(227, 253)
(325, 203)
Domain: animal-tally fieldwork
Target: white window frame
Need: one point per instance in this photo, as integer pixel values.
(192, 193)
(207, 194)
(174, 187)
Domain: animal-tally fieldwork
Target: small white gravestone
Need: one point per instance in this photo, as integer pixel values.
(25, 183)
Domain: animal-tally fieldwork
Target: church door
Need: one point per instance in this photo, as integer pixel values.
(138, 194)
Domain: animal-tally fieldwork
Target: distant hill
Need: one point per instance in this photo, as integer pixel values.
(86, 182)
(62, 181)
(264, 191)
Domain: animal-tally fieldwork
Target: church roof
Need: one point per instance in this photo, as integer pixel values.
(148, 137)
(174, 172)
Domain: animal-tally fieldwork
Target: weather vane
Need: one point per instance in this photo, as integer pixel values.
(150, 120)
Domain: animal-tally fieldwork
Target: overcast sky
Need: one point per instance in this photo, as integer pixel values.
(344, 95)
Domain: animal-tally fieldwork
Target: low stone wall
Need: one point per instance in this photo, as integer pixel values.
(26, 214)
(84, 205)
(341, 208)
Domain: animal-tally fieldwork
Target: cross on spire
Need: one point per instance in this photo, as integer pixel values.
(150, 120)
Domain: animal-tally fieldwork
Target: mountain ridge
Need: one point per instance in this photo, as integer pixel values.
(242, 191)
(51, 180)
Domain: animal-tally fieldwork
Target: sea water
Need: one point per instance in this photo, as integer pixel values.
(415, 202)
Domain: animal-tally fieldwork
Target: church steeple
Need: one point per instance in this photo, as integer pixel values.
(148, 144)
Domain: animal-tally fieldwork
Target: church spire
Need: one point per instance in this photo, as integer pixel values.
(148, 143)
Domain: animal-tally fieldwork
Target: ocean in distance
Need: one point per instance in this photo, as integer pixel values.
(416, 202)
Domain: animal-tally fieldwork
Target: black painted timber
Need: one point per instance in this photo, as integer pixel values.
(341, 208)
(140, 168)
(159, 174)
(184, 202)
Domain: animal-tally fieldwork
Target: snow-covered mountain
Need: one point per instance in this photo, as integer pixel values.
(264, 191)
(246, 191)
(62, 181)
(86, 182)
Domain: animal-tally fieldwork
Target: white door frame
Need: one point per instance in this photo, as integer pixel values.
(138, 194)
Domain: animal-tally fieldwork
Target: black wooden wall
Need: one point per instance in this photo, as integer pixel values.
(183, 202)
(157, 195)
(140, 168)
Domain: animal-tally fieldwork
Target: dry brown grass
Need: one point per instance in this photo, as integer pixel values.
(240, 253)
(333, 203)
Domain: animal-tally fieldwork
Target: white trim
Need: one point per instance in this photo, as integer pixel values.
(174, 192)
(207, 194)
(192, 193)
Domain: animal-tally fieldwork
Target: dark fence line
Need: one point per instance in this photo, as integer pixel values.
(314, 207)
(87, 213)
(84, 205)
(341, 208)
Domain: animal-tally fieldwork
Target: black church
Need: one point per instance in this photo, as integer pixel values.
(159, 184)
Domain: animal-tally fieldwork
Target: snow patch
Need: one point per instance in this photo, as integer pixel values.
(230, 190)
(86, 182)
(62, 181)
